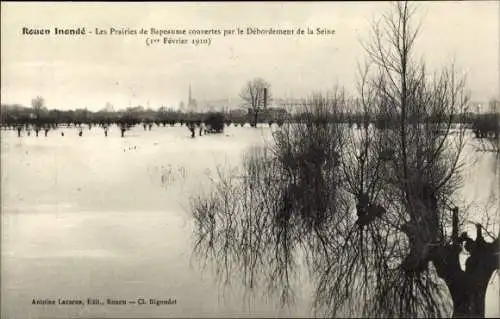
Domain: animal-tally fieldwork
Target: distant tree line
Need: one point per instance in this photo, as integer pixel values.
(11, 116)
(15, 115)
(486, 125)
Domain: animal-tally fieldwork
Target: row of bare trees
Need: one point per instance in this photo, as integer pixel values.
(257, 111)
(375, 214)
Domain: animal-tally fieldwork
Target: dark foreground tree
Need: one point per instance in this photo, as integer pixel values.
(375, 213)
(254, 223)
(405, 180)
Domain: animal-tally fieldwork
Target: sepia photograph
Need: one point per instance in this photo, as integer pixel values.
(250, 159)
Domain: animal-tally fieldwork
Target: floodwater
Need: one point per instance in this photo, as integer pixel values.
(95, 217)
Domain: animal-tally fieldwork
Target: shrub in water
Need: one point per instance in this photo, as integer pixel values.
(215, 122)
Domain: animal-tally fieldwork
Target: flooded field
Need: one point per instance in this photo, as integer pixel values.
(95, 217)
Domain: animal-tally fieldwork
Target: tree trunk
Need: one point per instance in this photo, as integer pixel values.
(255, 118)
(467, 287)
(468, 295)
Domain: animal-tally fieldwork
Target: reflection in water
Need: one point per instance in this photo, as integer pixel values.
(122, 235)
(81, 218)
(169, 176)
(251, 226)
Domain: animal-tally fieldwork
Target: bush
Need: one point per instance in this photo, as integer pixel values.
(215, 122)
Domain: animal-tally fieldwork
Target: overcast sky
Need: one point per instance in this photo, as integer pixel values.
(88, 71)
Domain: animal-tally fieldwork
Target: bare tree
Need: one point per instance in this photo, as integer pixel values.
(38, 105)
(256, 95)
(262, 215)
(376, 211)
(405, 180)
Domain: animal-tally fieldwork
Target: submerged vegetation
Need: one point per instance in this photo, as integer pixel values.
(374, 212)
(12, 116)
